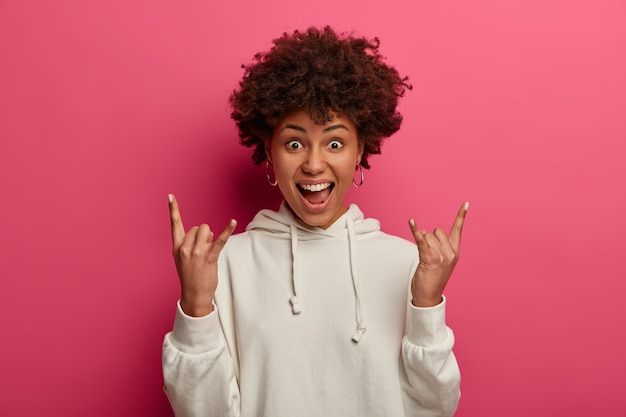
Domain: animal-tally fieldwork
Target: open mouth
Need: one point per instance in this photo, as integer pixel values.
(316, 193)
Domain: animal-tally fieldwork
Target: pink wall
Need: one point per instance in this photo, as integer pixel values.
(518, 106)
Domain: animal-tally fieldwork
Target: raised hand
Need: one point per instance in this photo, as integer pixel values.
(195, 254)
(438, 253)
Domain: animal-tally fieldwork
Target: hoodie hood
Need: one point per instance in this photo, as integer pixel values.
(283, 224)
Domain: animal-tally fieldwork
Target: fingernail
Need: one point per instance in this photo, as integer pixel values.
(233, 222)
(412, 223)
(170, 197)
(466, 205)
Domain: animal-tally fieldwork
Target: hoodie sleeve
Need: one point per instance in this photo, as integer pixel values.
(198, 370)
(433, 377)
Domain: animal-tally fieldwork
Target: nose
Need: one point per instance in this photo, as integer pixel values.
(315, 162)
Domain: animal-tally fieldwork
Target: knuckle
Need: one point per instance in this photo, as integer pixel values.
(450, 258)
(185, 252)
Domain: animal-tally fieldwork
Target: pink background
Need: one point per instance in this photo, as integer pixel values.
(518, 107)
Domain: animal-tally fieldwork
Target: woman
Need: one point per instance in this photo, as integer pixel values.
(313, 311)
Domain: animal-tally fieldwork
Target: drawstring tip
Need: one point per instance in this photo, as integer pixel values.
(295, 305)
(356, 337)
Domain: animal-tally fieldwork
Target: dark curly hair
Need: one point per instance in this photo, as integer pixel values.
(325, 74)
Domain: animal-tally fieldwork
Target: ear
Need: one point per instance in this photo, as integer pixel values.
(267, 144)
(360, 152)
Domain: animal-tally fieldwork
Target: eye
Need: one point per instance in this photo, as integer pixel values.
(294, 144)
(335, 144)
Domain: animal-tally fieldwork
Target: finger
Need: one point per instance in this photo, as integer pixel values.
(434, 248)
(178, 230)
(421, 240)
(418, 234)
(204, 235)
(221, 240)
(457, 227)
(188, 243)
(444, 244)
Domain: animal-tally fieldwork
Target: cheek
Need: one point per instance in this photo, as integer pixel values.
(283, 168)
(345, 173)
(348, 170)
(349, 164)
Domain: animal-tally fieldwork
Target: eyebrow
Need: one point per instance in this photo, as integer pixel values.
(326, 130)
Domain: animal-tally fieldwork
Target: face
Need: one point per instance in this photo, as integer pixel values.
(314, 165)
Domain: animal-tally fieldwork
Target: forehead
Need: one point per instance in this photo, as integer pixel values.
(300, 120)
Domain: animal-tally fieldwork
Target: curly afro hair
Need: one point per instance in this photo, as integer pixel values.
(324, 74)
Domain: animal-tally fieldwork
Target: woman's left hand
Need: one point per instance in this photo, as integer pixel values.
(438, 254)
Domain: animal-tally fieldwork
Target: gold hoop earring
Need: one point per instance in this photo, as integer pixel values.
(267, 174)
(359, 168)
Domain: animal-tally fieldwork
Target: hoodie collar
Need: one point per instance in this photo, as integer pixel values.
(279, 223)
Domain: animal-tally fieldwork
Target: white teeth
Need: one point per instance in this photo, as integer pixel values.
(315, 187)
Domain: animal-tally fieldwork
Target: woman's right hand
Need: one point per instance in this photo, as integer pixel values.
(195, 254)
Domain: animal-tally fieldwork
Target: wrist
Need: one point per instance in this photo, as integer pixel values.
(424, 302)
(196, 308)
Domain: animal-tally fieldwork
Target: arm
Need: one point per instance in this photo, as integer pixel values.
(198, 369)
(432, 371)
(433, 377)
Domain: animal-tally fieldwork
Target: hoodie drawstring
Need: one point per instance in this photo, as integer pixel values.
(294, 300)
(360, 319)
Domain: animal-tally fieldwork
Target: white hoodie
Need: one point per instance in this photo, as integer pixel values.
(313, 322)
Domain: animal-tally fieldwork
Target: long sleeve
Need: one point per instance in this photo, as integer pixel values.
(198, 370)
(432, 371)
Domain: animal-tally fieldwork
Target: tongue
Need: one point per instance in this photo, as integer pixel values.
(316, 197)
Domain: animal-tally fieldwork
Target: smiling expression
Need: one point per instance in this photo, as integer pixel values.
(314, 165)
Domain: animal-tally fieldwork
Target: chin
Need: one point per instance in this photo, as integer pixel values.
(323, 220)
(316, 221)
